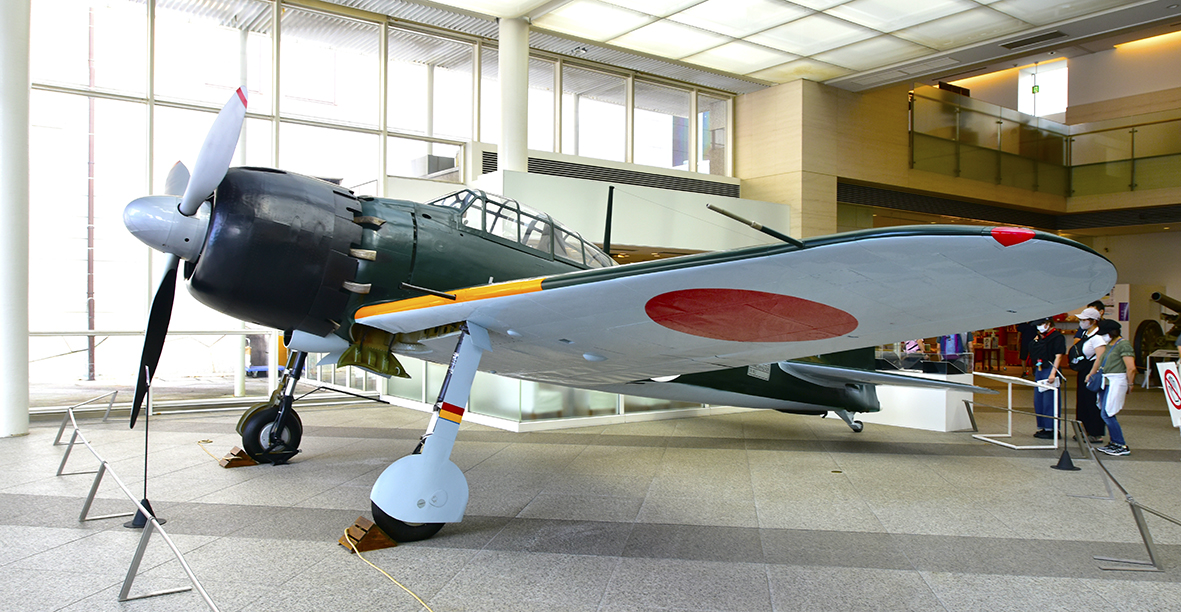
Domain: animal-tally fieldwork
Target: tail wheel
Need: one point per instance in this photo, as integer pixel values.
(401, 531)
(256, 432)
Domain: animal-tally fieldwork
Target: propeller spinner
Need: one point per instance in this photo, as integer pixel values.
(176, 224)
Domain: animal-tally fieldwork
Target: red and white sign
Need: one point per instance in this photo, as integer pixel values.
(1172, 384)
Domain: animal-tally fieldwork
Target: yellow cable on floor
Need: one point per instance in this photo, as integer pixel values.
(202, 444)
(353, 545)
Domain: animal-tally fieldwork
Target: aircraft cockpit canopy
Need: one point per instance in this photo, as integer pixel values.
(508, 220)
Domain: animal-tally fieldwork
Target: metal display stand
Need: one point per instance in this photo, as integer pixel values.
(150, 527)
(1010, 380)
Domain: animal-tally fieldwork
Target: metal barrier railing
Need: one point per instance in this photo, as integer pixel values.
(150, 526)
(1105, 475)
(1040, 387)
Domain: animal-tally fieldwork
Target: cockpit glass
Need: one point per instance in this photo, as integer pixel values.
(510, 220)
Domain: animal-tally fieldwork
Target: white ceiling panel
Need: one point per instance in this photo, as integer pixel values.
(890, 15)
(804, 68)
(813, 34)
(659, 8)
(1043, 12)
(962, 29)
(740, 57)
(739, 18)
(838, 42)
(670, 39)
(592, 20)
(873, 53)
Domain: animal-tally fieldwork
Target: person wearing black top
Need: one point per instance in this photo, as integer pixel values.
(1086, 407)
(1047, 351)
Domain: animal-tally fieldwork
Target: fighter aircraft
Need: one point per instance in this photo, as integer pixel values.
(480, 282)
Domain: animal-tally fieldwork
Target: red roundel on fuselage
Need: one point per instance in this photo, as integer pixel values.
(740, 315)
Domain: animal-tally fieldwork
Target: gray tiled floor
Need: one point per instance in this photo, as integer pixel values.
(748, 511)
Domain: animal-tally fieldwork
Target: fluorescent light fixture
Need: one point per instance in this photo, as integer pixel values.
(738, 18)
(890, 15)
(873, 53)
(1042, 12)
(961, 29)
(804, 68)
(1172, 38)
(739, 57)
(812, 34)
(669, 39)
(659, 8)
(592, 20)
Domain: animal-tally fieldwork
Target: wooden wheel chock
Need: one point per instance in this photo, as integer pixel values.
(365, 536)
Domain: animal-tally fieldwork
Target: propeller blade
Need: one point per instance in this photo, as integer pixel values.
(177, 181)
(216, 153)
(157, 330)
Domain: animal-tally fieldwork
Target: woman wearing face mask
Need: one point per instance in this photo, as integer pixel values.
(1048, 352)
(1086, 407)
(1115, 361)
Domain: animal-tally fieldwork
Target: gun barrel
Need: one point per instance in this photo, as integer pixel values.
(1167, 302)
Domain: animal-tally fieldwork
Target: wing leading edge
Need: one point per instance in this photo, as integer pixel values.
(761, 304)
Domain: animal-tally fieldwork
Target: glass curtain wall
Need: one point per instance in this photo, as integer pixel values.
(594, 114)
(123, 89)
(662, 136)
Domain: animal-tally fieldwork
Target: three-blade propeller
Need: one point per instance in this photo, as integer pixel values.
(210, 168)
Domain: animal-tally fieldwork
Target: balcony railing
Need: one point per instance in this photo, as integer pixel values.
(959, 136)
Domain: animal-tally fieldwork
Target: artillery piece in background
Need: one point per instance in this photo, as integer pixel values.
(1150, 336)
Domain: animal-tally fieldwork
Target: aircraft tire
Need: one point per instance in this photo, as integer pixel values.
(401, 531)
(256, 432)
(858, 426)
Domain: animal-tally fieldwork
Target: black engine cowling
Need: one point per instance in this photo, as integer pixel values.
(277, 251)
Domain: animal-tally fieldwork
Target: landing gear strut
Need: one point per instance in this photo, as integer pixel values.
(415, 496)
(271, 431)
(847, 417)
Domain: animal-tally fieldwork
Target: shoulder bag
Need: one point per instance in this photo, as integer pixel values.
(1095, 383)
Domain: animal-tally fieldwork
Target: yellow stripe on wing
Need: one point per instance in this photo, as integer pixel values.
(462, 295)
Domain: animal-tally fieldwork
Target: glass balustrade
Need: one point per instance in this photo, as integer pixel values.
(958, 136)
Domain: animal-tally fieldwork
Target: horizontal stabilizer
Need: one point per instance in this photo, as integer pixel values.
(828, 376)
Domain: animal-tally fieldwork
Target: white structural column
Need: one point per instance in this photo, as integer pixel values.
(513, 153)
(14, 216)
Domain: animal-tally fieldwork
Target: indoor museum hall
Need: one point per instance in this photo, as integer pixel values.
(587, 305)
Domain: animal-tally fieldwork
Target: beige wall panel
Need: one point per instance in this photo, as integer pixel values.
(1169, 99)
(806, 129)
(767, 131)
(773, 188)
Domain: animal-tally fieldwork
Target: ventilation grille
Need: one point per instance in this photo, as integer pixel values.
(550, 167)
(896, 200)
(931, 205)
(1121, 218)
(1033, 40)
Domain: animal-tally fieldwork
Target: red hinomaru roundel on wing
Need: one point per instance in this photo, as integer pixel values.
(740, 315)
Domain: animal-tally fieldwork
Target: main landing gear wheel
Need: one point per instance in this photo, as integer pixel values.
(401, 531)
(857, 426)
(256, 433)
